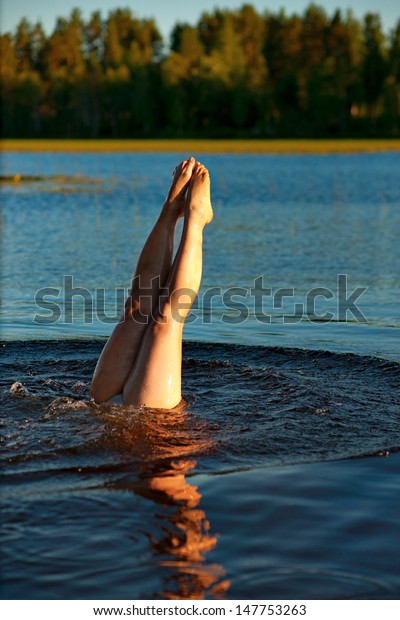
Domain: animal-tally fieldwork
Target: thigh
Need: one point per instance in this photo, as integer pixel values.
(155, 380)
(117, 359)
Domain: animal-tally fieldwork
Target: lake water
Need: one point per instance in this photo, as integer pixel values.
(297, 221)
(280, 479)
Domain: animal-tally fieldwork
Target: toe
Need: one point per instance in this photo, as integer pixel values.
(189, 165)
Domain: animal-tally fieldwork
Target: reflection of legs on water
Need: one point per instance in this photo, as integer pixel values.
(165, 446)
(142, 358)
(190, 539)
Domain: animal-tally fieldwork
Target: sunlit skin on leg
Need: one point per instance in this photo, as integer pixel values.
(155, 380)
(143, 356)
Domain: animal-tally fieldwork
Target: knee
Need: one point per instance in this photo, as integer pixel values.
(163, 320)
(137, 309)
(98, 391)
(169, 315)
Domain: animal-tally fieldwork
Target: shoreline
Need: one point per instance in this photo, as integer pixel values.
(232, 146)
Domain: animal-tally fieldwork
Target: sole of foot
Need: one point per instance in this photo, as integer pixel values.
(180, 183)
(198, 198)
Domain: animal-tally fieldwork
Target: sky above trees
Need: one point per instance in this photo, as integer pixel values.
(168, 13)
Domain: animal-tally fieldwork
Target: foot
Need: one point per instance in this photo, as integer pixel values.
(175, 202)
(198, 202)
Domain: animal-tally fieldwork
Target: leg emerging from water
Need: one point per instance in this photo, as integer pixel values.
(153, 270)
(155, 379)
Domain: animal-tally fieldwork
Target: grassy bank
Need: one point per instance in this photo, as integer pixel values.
(202, 146)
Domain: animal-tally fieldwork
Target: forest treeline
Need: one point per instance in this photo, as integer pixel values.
(235, 73)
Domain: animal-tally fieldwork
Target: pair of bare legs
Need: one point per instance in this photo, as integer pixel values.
(142, 360)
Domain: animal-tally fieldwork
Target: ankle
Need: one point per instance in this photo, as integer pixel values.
(195, 219)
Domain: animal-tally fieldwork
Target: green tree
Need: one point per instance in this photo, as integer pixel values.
(23, 45)
(8, 59)
(341, 70)
(374, 66)
(8, 67)
(185, 41)
(282, 50)
(393, 81)
(235, 72)
(180, 72)
(131, 41)
(63, 53)
(94, 41)
(113, 51)
(312, 72)
(208, 27)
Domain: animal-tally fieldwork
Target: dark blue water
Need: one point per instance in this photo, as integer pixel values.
(251, 491)
(279, 478)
